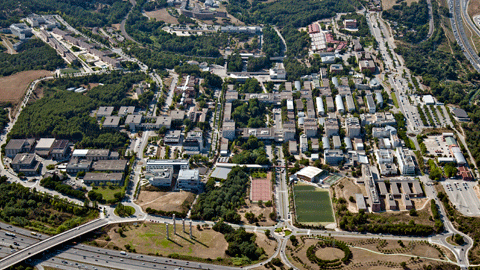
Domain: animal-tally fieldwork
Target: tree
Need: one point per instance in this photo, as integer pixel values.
(294, 240)
(459, 239)
(267, 233)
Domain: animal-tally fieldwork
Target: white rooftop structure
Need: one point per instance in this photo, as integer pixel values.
(309, 173)
(80, 153)
(45, 143)
(428, 99)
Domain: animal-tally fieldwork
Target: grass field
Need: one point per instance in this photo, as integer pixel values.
(108, 193)
(395, 101)
(313, 205)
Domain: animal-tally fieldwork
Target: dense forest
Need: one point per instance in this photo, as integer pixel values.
(234, 62)
(223, 201)
(240, 243)
(272, 43)
(412, 19)
(3, 118)
(253, 152)
(258, 63)
(66, 115)
(34, 55)
(22, 207)
(76, 12)
(298, 13)
(56, 183)
(249, 114)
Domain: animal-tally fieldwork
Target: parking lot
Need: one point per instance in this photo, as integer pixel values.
(436, 146)
(463, 196)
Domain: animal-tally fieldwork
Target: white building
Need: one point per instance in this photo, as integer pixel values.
(303, 143)
(160, 177)
(405, 161)
(156, 164)
(188, 180)
(383, 156)
(353, 127)
(339, 103)
(320, 106)
(428, 100)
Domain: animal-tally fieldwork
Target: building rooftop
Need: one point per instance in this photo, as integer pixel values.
(103, 176)
(188, 175)
(110, 165)
(124, 110)
(111, 121)
(45, 143)
(177, 115)
(105, 111)
(23, 159)
(133, 119)
(310, 171)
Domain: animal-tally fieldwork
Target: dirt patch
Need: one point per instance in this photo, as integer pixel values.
(162, 15)
(388, 4)
(473, 8)
(165, 201)
(13, 87)
(257, 211)
(330, 253)
(364, 258)
(346, 188)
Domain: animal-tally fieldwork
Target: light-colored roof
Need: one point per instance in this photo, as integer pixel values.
(310, 172)
(220, 173)
(80, 152)
(45, 143)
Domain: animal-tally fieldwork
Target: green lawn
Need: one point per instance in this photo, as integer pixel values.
(108, 193)
(313, 204)
(394, 98)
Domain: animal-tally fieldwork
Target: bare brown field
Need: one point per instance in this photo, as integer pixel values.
(162, 15)
(473, 8)
(346, 188)
(13, 87)
(257, 210)
(388, 4)
(166, 201)
(365, 254)
(150, 238)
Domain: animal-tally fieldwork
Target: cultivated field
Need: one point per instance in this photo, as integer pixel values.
(373, 254)
(388, 4)
(313, 205)
(165, 201)
(13, 87)
(162, 15)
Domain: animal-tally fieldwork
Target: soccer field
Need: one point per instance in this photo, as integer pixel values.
(313, 205)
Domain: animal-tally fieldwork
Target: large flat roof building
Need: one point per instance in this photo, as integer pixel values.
(103, 178)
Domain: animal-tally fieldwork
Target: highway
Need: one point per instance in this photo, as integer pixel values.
(457, 10)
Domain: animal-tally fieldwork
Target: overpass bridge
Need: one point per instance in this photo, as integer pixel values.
(48, 243)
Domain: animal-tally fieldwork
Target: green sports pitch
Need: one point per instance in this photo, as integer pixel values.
(313, 205)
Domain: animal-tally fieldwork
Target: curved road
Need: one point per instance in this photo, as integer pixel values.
(122, 25)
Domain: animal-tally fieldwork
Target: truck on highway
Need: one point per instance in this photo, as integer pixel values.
(123, 253)
(10, 234)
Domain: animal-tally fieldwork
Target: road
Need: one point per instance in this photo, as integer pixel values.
(458, 12)
(122, 24)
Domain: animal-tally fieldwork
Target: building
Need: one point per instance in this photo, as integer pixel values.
(303, 143)
(76, 165)
(102, 179)
(337, 143)
(97, 154)
(458, 155)
(111, 122)
(350, 103)
(173, 136)
(360, 201)
(320, 106)
(60, 149)
(156, 164)
(371, 104)
(331, 127)
(126, 110)
(292, 148)
(160, 177)
(188, 180)
(353, 127)
(383, 156)
(350, 24)
(366, 65)
(224, 147)
(339, 103)
(133, 121)
(21, 30)
(333, 157)
(104, 112)
(289, 131)
(16, 146)
(177, 116)
(230, 96)
(25, 163)
(44, 146)
(228, 130)
(460, 114)
(310, 174)
(465, 173)
(406, 163)
(379, 98)
(310, 127)
(383, 132)
(336, 68)
(194, 141)
(116, 166)
(428, 100)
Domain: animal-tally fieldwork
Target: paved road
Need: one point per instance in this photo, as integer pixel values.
(50, 242)
(122, 25)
